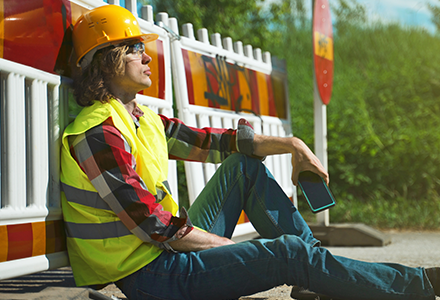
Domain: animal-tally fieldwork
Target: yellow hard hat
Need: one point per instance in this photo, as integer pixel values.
(104, 26)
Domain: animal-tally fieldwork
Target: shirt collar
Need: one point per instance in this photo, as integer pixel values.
(136, 114)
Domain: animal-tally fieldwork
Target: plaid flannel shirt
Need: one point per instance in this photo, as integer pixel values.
(112, 155)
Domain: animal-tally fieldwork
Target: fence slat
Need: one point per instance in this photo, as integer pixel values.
(14, 154)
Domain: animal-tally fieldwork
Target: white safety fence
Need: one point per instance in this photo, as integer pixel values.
(34, 112)
(32, 120)
(198, 174)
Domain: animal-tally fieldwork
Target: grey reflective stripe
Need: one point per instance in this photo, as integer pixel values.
(95, 231)
(160, 195)
(93, 199)
(86, 198)
(167, 185)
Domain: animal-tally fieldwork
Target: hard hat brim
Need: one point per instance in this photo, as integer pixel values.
(149, 37)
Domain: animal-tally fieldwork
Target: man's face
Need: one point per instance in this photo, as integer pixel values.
(137, 72)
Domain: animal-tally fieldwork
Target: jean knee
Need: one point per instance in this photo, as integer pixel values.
(294, 247)
(248, 165)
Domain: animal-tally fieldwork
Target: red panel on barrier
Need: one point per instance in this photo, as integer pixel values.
(272, 107)
(31, 33)
(255, 96)
(234, 88)
(31, 239)
(213, 82)
(19, 241)
(189, 81)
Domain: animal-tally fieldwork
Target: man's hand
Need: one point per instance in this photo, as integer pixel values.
(303, 158)
(198, 240)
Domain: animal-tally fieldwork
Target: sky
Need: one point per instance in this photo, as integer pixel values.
(406, 12)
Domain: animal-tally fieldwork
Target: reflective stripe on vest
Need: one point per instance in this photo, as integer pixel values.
(92, 199)
(94, 231)
(98, 231)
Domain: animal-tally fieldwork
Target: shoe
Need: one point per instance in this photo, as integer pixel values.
(300, 293)
(434, 277)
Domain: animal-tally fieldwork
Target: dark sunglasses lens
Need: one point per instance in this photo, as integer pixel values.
(137, 48)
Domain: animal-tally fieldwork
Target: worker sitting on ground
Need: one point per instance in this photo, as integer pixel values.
(123, 225)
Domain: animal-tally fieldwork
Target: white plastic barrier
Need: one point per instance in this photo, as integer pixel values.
(216, 60)
(34, 112)
(31, 234)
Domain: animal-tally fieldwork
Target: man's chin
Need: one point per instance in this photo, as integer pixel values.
(148, 83)
(145, 86)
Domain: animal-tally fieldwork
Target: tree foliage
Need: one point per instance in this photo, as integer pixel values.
(384, 115)
(242, 20)
(435, 11)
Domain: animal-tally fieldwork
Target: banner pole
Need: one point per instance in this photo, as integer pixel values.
(320, 116)
(320, 124)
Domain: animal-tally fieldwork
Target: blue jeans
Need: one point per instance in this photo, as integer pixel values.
(287, 253)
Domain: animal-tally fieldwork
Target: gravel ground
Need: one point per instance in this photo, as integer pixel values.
(409, 248)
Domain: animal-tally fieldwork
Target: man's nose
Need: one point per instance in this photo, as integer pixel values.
(146, 59)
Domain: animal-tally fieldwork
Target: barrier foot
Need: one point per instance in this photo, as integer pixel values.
(350, 235)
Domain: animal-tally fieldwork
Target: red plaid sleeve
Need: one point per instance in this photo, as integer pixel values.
(104, 155)
(207, 144)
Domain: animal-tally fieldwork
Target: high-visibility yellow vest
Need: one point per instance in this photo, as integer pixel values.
(101, 249)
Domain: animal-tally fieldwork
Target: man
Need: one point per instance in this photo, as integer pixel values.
(121, 221)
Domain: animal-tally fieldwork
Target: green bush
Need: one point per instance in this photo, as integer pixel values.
(384, 115)
(383, 118)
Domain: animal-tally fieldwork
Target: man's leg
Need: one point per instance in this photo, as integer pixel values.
(244, 183)
(245, 268)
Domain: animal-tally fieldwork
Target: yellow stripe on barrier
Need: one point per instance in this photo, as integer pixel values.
(4, 243)
(245, 91)
(263, 94)
(199, 78)
(39, 238)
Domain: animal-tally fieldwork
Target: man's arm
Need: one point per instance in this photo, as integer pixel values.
(104, 156)
(163, 225)
(302, 157)
(198, 240)
(211, 145)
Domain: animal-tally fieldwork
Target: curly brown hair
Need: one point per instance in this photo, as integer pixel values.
(92, 82)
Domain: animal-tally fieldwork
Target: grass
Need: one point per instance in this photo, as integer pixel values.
(397, 213)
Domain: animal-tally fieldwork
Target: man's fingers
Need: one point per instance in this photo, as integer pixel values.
(295, 175)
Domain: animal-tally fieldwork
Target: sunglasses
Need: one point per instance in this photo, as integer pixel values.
(136, 49)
